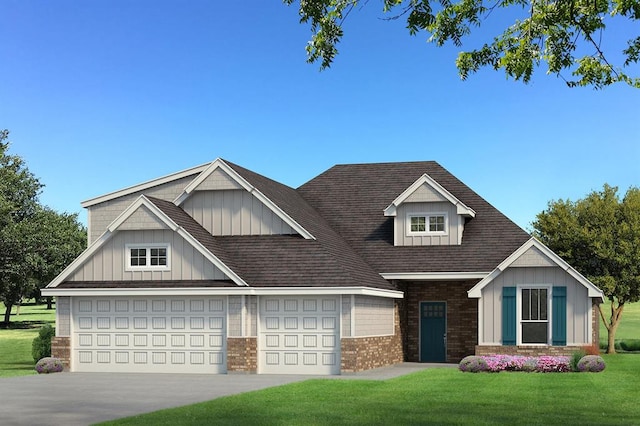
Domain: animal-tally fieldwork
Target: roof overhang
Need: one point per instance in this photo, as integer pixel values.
(593, 290)
(205, 291)
(434, 276)
(425, 179)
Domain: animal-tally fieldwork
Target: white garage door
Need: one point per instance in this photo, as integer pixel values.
(158, 334)
(299, 335)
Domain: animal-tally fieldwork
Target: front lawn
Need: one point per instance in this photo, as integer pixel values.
(15, 341)
(436, 396)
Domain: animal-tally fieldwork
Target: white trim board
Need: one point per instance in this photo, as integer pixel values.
(433, 276)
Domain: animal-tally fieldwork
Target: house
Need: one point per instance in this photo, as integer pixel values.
(217, 269)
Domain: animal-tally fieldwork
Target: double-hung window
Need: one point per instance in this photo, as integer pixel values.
(426, 223)
(534, 315)
(147, 256)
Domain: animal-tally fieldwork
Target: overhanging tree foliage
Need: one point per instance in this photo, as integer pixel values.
(600, 236)
(569, 35)
(36, 243)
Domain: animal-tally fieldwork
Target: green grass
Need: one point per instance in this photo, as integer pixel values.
(436, 396)
(629, 326)
(15, 342)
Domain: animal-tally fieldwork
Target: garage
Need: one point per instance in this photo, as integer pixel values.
(149, 335)
(299, 335)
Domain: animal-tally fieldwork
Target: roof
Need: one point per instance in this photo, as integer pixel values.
(352, 199)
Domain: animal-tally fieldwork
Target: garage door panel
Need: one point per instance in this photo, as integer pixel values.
(299, 335)
(150, 335)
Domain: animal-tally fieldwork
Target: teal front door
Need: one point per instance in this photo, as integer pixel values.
(433, 332)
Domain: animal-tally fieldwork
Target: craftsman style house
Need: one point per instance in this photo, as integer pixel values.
(218, 269)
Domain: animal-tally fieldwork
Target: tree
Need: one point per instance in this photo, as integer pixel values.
(36, 242)
(569, 35)
(600, 236)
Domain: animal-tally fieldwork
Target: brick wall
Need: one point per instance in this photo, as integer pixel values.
(61, 349)
(462, 317)
(242, 354)
(525, 350)
(364, 353)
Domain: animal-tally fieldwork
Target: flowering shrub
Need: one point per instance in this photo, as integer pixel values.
(496, 363)
(591, 363)
(49, 365)
(473, 364)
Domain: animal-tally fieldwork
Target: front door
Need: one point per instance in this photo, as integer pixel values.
(433, 332)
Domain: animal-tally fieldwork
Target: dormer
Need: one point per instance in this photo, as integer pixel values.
(426, 214)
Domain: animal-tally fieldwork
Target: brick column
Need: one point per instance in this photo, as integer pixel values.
(61, 349)
(242, 355)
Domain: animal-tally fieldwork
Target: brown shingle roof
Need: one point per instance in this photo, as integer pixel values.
(352, 199)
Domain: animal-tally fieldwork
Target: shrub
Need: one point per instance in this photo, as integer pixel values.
(473, 364)
(41, 346)
(591, 363)
(576, 356)
(49, 365)
(629, 345)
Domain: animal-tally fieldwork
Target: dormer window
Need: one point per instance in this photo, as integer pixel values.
(427, 223)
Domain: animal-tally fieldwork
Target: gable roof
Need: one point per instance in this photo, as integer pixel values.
(159, 209)
(425, 179)
(352, 198)
(220, 164)
(593, 291)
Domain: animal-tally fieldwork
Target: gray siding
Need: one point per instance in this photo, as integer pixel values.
(578, 302)
(142, 219)
(108, 263)
(346, 315)
(455, 223)
(63, 316)
(374, 316)
(425, 193)
(234, 212)
(235, 316)
(218, 180)
(102, 214)
(251, 319)
(532, 257)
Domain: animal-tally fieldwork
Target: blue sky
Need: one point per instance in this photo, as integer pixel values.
(105, 94)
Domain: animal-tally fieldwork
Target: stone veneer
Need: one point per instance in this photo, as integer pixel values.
(242, 355)
(61, 349)
(462, 317)
(365, 353)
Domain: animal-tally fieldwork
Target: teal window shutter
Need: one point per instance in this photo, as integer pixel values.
(509, 316)
(559, 310)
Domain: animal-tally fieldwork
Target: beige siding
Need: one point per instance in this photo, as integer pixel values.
(532, 257)
(63, 316)
(374, 316)
(455, 224)
(425, 193)
(251, 319)
(108, 263)
(346, 315)
(218, 180)
(102, 214)
(142, 219)
(578, 302)
(234, 212)
(235, 316)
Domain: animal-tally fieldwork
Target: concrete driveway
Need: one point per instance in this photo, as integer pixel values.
(86, 398)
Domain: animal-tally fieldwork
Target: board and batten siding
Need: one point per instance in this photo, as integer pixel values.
(234, 212)
(454, 231)
(100, 216)
(578, 302)
(108, 263)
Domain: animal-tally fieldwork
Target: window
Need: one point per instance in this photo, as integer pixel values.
(152, 256)
(431, 223)
(534, 315)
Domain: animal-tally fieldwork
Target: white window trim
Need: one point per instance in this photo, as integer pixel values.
(411, 233)
(148, 266)
(519, 289)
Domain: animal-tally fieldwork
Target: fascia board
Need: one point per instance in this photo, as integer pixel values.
(142, 186)
(461, 208)
(142, 201)
(203, 291)
(219, 163)
(80, 260)
(592, 290)
(433, 276)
